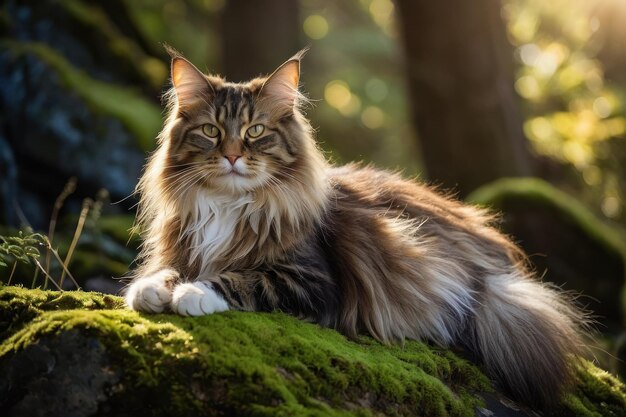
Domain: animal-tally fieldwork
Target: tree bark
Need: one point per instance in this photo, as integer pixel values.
(460, 78)
(257, 36)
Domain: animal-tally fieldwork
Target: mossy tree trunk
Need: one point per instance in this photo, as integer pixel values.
(460, 78)
(257, 36)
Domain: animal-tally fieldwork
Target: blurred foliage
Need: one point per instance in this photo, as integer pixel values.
(141, 117)
(121, 45)
(189, 25)
(573, 114)
(359, 98)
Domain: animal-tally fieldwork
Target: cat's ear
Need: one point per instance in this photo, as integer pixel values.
(188, 81)
(281, 88)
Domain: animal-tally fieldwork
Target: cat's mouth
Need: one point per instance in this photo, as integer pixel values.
(235, 173)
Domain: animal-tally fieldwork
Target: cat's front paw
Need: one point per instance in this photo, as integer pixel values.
(197, 299)
(152, 294)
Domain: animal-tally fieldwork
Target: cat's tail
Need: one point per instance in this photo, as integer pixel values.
(528, 336)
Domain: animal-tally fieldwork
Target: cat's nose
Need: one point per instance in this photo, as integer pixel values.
(232, 158)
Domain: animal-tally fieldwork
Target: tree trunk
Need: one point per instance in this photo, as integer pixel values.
(257, 36)
(460, 77)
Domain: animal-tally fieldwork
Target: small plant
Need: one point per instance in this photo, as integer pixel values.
(21, 248)
(48, 255)
(24, 248)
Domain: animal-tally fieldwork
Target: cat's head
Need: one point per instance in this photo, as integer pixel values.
(235, 137)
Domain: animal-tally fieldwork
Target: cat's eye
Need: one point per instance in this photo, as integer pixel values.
(210, 130)
(255, 131)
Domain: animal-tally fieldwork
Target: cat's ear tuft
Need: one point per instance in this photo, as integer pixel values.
(173, 53)
(188, 81)
(300, 54)
(281, 88)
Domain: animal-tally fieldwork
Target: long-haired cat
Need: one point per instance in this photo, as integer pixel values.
(240, 210)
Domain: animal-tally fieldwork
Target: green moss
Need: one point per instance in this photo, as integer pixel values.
(535, 189)
(141, 118)
(260, 364)
(598, 394)
(19, 306)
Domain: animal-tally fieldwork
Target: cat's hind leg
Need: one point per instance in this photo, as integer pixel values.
(152, 293)
(197, 299)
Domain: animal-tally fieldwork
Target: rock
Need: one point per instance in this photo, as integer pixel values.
(67, 375)
(85, 354)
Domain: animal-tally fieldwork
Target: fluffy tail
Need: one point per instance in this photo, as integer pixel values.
(527, 335)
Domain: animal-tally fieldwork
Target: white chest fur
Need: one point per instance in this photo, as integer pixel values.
(210, 224)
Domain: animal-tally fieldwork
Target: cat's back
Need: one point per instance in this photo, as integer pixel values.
(365, 196)
(376, 189)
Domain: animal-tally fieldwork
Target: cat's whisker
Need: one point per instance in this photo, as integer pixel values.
(180, 174)
(181, 182)
(191, 182)
(186, 164)
(191, 167)
(184, 185)
(174, 180)
(294, 178)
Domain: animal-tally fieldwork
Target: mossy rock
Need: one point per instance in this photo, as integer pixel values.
(565, 241)
(83, 354)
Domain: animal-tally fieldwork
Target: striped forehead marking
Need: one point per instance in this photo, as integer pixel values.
(233, 102)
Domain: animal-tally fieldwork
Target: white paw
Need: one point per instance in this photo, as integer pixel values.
(151, 294)
(197, 299)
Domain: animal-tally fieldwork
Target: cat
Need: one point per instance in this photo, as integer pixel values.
(240, 210)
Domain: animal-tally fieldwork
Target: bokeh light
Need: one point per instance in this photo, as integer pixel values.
(382, 14)
(373, 117)
(315, 26)
(337, 94)
(376, 89)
